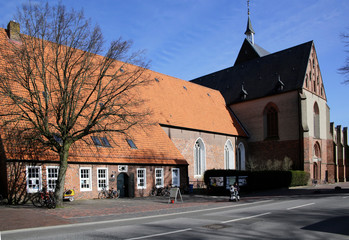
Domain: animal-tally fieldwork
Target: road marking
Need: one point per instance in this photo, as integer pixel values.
(244, 218)
(127, 219)
(300, 206)
(160, 234)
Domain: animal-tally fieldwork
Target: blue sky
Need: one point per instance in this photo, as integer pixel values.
(191, 38)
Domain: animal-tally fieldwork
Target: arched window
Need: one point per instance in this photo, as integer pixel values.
(306, 80)
(271, 122)
(316, 121)
(199, 158)
(229, 155)
(317, 161)
(241, 157)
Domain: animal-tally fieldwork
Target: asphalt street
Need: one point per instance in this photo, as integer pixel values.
(320, 215)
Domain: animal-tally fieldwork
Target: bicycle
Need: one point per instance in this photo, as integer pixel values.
(44, 198)
(111, 193)
(160, 191)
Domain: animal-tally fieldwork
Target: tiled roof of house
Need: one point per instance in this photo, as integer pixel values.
(183, 104)
(257, 76)
(173, 102)
(153, 145)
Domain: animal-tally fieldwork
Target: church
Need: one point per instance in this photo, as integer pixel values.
(266, 112)
(280, 99)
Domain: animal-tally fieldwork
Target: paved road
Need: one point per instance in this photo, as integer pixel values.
(320, 214)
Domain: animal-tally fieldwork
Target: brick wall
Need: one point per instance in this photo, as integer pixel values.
(185, 140)
(72, 180)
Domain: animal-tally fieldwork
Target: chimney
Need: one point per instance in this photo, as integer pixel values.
(13, 30)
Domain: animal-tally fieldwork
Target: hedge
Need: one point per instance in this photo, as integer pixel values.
(256, 180)
(299, 178)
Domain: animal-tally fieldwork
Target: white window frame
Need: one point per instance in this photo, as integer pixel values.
(100, 178)
(229, 161)
(51, 178)
(144, 178)
(199, 158)
(88, 179)
(161, 177)
(178, 183)
(39, 178)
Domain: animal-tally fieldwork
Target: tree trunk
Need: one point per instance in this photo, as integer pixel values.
(63, 165)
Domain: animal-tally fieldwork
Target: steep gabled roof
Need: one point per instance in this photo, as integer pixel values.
(261, 76)
(249, 51)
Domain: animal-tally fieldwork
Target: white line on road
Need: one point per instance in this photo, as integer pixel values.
(160, 234)
(300, 206)
(127, 219)
(244, 218)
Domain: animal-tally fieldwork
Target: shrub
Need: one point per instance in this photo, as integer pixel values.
(299, 178)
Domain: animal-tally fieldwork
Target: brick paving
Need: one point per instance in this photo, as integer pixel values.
(27, 216)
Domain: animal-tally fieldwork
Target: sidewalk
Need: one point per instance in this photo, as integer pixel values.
(80, 211)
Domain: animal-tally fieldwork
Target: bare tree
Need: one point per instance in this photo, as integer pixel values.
(345, 69)
(59, 81)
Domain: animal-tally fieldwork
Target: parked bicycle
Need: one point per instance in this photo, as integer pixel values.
(111, 193)
(44, 198)
(160, 191)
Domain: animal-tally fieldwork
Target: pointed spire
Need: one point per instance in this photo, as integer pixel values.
(249, 30)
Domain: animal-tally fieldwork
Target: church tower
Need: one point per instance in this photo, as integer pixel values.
(249, 30)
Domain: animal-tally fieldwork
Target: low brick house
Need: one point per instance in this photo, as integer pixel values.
(192, 131)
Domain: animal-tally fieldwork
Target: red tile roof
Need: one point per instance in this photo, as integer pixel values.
(173, 102)
(184, 104)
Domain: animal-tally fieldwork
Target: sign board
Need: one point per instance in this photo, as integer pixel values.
(230, 181)
(217, 181)
(242, 180)
(174, 193)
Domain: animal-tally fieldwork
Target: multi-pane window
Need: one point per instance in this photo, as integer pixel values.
(85, 179)
(101, 141)
(159, 177)
(141, 178)
(52, 176)
(175, 177)
(102, 178)
(33, 179)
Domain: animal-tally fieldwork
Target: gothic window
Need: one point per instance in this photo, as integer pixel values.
(317, 161)
(199, 158)
(271, 125)
(306, 80)
(316, 121)
(229, 155)
(241, 157)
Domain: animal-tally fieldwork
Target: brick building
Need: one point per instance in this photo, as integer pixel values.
(192, 131)
(268, 107)
(281, 101)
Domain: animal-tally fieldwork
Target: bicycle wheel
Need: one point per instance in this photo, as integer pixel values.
(37, 200)
(102, 195)
(52, 202)
(153, 192)
(116, 194)
(167, 193)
